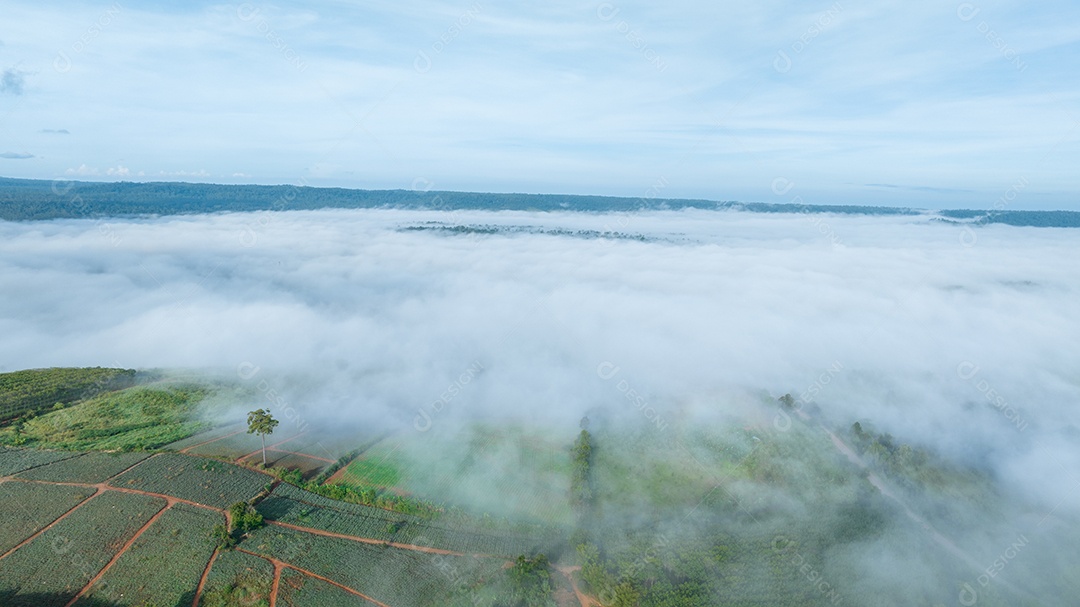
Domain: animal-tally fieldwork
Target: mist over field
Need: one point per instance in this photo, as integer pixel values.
(964, 347)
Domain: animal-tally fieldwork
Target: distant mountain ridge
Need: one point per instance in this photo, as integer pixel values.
(36, 199)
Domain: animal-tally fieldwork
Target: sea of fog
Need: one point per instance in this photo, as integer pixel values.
(958, 337)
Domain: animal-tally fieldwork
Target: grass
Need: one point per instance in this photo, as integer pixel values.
(371, 472)
(134, 419)
(34, 391)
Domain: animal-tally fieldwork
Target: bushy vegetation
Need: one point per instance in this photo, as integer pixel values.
(238, 580)
(531, 582)
(34, 391)
(581, 493)
(133, 419)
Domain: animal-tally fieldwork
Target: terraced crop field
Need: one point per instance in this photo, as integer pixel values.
(91, 468)
(180, 537)
(27, 508)
(237, 578)
(204, 481)
(398, 577)
(62, 560)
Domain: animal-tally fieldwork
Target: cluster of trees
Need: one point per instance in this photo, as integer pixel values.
(900, 462)
(581, 494)
(530, 582)
(32, 199)
(243, 518)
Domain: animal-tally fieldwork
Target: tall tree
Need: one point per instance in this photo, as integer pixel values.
(262, 423)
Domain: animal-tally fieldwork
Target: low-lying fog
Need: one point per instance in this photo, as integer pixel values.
(959, 339)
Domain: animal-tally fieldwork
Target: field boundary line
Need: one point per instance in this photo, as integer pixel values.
(368, 540)
(270, 447)
(52, 524)
(275, 586)
(131, 467)
(278, 562)
(185, 450)
(123, 549)
(202, 579)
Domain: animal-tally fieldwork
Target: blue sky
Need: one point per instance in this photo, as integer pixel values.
(930, 104)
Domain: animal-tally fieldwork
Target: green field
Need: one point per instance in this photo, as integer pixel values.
(238, 579)
(510, 473)
(731, 513)
(94, 467)
(403, 578)
(180, 537)
(138, 418)
(63, 559)
(36, 390)
(299, 590)
(196, 479)
(27, 508)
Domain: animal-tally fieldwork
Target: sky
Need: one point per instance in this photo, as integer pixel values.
(925, 103)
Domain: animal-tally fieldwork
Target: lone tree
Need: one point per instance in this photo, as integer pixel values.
(262, 423)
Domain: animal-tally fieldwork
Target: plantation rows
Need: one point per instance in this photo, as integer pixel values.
(399, 577)
(13, 461)
(204, 481)
(390, 527)
(237, 578)
(181, 538)
(63, 559)
(91, 468)
(299, 590)
(202, 437)
(28, 508)
(35, 390)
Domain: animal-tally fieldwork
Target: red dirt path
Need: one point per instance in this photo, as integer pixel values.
(279, 564)
(116, 557)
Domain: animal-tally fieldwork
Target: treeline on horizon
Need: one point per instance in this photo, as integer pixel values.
(36, 199)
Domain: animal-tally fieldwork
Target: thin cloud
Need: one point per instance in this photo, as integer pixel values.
(13, 81)
(15, 155)
(56, 131)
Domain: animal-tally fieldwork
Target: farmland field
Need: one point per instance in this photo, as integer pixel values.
(399, 577)
(507, 473)
(63, 559)
(13, 461)
(299, 590)
(180, 537)
(196, 479)
(376, 523)
(91, 468)
(238, 579)
(27, 508)
(208, 435)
